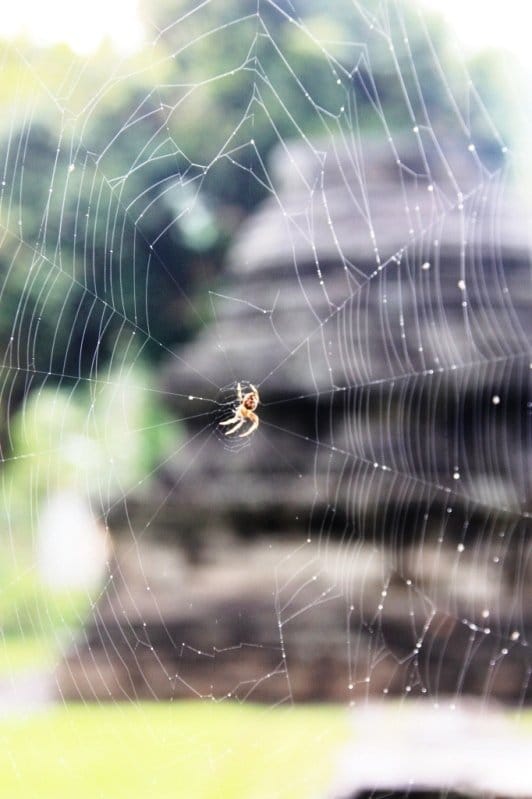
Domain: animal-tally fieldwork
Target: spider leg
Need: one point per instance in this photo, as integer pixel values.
(255, 420)
(239, 393)
(230, 421)
(235, 428)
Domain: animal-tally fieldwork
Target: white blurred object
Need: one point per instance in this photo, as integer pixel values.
(436, 747)
(73, 548)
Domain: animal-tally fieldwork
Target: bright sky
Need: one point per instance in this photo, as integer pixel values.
(479, 23)
(82, 24)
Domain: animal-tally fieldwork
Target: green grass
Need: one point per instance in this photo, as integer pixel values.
(184, 750)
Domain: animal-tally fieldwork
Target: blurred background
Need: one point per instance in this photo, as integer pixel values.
(326, 203)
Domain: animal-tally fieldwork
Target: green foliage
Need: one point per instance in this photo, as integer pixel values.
(89, 276)
(97, 438)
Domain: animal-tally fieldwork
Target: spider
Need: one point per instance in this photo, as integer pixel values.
(244, 413)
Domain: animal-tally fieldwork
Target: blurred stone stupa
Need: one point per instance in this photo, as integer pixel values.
(373, 535)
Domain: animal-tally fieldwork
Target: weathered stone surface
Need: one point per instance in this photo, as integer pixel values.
(276, 621)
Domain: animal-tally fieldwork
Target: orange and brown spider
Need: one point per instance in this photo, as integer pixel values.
(244, 413)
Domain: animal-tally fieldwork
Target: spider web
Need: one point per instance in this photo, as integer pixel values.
(326, 210)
